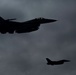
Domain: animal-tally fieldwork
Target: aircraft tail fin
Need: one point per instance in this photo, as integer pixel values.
(1, 19)
(48, 60)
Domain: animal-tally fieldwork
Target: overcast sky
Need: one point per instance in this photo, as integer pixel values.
(24, 54)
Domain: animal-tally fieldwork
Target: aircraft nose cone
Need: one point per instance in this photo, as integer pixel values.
(52, 20)
(48, 20)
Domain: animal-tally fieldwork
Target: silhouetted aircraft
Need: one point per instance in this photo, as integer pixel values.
(49, 62)
(11, 26)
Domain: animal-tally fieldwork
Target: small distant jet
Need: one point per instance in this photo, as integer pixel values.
(22, 27)
(49, 62)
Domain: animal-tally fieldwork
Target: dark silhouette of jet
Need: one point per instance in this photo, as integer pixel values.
(11, 26)
(49, 62)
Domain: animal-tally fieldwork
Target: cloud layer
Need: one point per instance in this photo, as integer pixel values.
(24, 54)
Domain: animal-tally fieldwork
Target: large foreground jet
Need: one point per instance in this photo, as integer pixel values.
(22, 27)
(49, 62)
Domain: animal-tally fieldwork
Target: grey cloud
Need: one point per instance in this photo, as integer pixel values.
(22, 54)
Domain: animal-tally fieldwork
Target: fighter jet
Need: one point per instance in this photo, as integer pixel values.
(11, 26)
(49, 62)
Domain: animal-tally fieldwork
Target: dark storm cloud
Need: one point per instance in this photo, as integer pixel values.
(22, 54)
